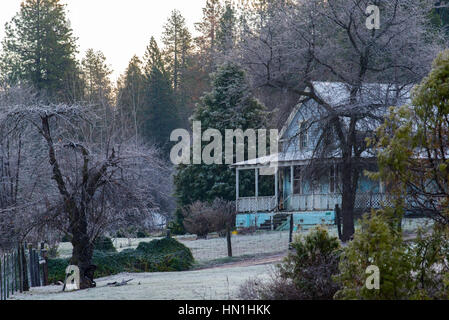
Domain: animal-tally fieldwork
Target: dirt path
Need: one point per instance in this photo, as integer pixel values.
(217, 283)
(250, 262)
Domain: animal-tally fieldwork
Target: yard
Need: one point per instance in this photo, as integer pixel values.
(220, 283)
(214, 277)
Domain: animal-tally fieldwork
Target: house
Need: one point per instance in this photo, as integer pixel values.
(307, 189)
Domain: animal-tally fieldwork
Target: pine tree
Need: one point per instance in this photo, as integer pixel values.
(229, 105)
(96, 73)
(226, 33)
(153, 57)
(130, 97)
(177, 41)
(39, 47)
(159, 114)
(208, 28)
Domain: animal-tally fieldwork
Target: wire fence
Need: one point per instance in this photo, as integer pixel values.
(22, 269)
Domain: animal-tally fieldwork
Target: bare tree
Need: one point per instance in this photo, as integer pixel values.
(91, 186)
(293, 44)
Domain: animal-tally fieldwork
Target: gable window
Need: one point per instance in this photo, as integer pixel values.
(333, 179)
(303, 135)
(297, 181)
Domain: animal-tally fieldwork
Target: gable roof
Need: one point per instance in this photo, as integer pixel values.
(338, 94)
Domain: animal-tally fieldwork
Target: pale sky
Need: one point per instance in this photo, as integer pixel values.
(119, 28)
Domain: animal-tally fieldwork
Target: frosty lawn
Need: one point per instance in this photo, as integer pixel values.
(209, 284)
(266, 243)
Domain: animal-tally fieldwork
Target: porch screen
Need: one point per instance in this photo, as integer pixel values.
(297, 181)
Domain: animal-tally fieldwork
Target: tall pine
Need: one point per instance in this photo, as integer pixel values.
(39, 48)
(159, 114)
(229, 105)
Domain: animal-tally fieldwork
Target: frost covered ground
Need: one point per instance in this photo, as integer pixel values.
(214, 248)
(219, 283)
(267, 243)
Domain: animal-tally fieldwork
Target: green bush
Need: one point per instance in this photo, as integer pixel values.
(104, 244)
(408, 271)
(142, 234)
(306, 273)
(163, 255)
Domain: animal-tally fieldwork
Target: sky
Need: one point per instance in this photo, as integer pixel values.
(119, 28)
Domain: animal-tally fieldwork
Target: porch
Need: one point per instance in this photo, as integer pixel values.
(307, 203)
(292, 193)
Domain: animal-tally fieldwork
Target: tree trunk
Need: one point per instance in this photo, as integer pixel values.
(82, 251)
(338, 221)
(348, 202)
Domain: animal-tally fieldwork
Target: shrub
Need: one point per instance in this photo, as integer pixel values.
(157, 256)
(378, 244)
(202, 218)
(416, 270)
(141, 234)
(196, 219)
(66, 238)
(306, 274)
(104, 244)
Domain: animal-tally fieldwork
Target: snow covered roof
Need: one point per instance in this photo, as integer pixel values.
(338, 94)
(287, 158)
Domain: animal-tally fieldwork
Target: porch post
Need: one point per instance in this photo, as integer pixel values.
(276, 186)
(237, 188)
(292, 180)
(257, 183)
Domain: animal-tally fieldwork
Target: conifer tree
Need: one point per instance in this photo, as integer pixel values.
(208, 28)
(178, 44)
(159, 114)
(130, 96)
(39, 47)
(229, 105)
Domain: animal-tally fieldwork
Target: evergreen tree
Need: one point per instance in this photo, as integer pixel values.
(39, 47)
(440, 16)
(226, 34)
(98, 91)
(177, 41)
(96, 73)
(208, 28)
(228, 106)
(159, 114)
(130, 97)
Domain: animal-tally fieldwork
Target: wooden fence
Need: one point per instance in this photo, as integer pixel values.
(22, 269)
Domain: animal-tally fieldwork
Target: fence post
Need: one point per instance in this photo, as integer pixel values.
(26, 284)
(1, 279)
(13, 270)
(7, 276)
(31, 258)
(19, 265)
(38, 268)
(291, 228)
(45, 265)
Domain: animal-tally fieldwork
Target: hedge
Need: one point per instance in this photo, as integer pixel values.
(163, 255)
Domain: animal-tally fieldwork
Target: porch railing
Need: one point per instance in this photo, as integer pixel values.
(256, 204)
(310, 202)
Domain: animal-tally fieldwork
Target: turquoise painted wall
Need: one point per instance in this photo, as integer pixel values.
(303, 219)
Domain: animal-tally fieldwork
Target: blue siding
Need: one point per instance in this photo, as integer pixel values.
(303, 219)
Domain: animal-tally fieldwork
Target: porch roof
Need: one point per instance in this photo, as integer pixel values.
(285, 159)
(277, 159)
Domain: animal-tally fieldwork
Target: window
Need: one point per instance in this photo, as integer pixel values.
(303, 135)
(297, 181)
(333, 179)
